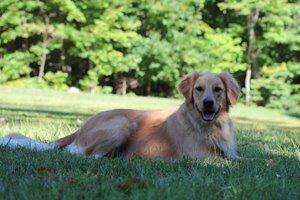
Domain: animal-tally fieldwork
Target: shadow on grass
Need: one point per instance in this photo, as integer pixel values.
(259, 177)
(31, 112)
(294, 114)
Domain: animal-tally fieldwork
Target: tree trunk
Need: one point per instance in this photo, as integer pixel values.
(124, 86)
(248, 86)
(43, 61)
(44, 53)
(120, 84)
(251, 52)
(148, 88)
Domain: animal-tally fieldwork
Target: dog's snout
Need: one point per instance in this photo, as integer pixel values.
(208, 102)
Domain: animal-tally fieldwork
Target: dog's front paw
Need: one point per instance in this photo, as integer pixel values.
(233, 157)
(236, 158)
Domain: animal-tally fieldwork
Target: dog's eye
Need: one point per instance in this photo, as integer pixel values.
(218, 89)
(199, 89)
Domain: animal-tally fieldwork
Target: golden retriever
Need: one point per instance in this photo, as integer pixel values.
(199, 128)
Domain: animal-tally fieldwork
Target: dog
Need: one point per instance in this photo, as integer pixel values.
(199, 128)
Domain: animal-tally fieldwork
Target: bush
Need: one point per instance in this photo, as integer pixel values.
(57, 81)
(14, 66)
(90, 83)
(28, 83)
(275, 89)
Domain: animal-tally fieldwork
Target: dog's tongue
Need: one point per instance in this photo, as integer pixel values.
(208, 116)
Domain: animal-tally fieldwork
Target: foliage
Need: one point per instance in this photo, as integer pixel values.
(28, 83)
(57, 80)
(274, 88)
(14, 66)
(93, 44)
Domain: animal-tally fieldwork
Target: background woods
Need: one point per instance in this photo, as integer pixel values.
(145, 46)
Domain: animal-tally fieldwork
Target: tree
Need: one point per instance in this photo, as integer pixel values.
(176, 41)
(41, 33)
(106, 40)
(268, 23)
(104, 45)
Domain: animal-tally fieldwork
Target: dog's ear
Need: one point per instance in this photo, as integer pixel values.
(186, 85)
(232, 87)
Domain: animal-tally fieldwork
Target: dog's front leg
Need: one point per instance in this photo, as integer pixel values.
(229, 149)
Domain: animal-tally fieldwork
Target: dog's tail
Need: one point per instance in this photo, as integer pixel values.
(17, 140)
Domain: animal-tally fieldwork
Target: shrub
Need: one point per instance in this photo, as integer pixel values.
(28, 83)
(57, 80)
(275, 89)
(90, 83)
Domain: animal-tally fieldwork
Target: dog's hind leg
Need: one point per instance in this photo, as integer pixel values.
(65, 141)
(106, 143)
(102, 142)
(103, 139)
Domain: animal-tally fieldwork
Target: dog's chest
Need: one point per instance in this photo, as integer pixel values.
(196, 144)
(193, 139)
(192, 143)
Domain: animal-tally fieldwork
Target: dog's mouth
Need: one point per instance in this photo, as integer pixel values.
(208, 115)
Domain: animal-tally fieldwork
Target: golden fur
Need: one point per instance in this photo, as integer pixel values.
(192, 130)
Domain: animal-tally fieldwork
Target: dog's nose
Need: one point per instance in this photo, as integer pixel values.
(207, 102)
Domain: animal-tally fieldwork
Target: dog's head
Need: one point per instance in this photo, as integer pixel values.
(210, 94)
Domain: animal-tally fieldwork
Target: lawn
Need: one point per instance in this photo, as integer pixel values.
(268, 142)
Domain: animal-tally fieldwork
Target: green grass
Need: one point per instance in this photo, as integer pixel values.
(268, 141)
